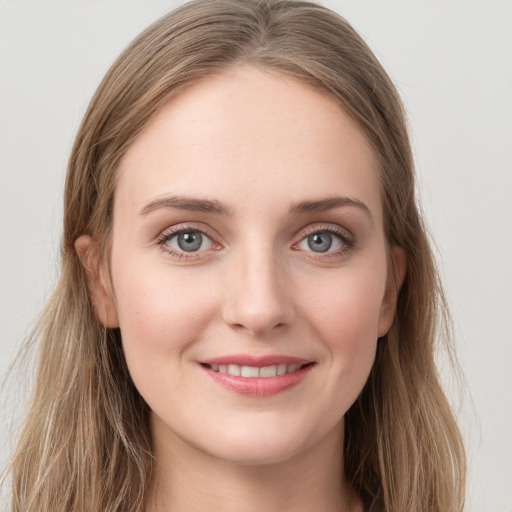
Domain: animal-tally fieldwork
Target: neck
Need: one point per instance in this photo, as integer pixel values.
(188, 480)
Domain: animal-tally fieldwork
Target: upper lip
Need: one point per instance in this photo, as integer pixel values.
(258, 361)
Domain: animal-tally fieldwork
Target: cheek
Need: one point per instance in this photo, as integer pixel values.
(160, 316)
(345, 317)
(346, 307)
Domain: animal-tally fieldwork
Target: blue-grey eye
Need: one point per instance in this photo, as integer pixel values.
(322, 241)
(189, 241)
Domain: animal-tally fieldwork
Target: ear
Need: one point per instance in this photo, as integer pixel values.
(97, 281)
(396, 275)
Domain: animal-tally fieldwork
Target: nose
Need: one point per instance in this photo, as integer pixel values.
(258, 294)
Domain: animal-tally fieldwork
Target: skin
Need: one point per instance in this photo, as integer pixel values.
(258, 144)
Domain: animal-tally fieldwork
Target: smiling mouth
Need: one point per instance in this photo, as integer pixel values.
(256, 371)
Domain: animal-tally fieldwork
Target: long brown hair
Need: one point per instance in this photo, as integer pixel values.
(86, 443)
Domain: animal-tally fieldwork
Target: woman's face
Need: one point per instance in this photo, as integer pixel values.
(248, 237)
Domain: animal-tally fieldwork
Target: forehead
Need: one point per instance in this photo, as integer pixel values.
(248, 133)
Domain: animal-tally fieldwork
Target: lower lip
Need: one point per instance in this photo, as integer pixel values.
(259, 386)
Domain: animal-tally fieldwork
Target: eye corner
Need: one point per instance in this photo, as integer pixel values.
(338, 241)
(200, 244)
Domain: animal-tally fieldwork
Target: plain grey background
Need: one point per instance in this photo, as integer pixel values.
(451, 61)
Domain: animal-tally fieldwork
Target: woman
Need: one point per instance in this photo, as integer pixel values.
(248, 306)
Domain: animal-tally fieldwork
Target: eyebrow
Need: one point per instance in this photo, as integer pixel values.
(328, 203)
(187, 203)
(217, 207)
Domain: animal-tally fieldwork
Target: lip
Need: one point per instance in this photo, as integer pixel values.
(260, 362)
(257, 386)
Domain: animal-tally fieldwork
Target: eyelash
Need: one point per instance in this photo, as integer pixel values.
(168, 235)
(346, 239)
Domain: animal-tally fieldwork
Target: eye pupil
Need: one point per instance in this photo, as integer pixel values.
(190, 241)
(320, 242)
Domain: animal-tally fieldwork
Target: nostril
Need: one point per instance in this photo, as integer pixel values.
(255, 312)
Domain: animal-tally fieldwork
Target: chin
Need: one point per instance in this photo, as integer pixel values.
(257, 452)
(268, 444)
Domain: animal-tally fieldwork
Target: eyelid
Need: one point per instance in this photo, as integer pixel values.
(325, 226)
(347, 239)
(172, 231)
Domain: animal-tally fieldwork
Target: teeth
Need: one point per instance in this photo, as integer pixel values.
(268, 371)
(255, 371)
(234, 369)
(281, 369)
(249, 371)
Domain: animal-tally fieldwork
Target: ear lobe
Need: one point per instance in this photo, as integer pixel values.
(395, 279)
(97, 282)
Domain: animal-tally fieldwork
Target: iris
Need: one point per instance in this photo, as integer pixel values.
(320, 242)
